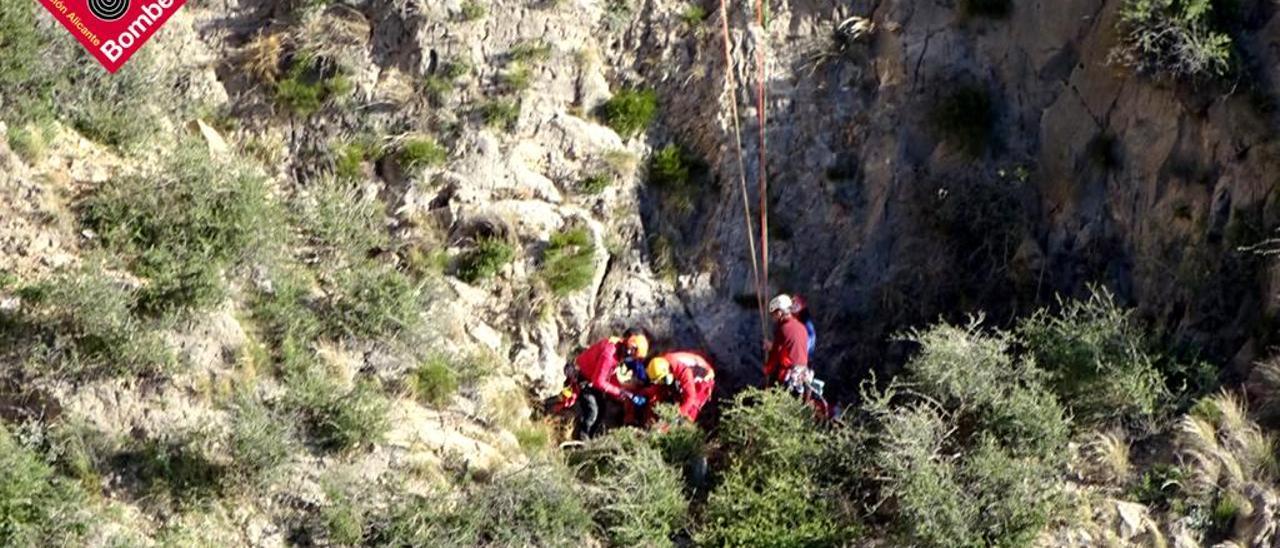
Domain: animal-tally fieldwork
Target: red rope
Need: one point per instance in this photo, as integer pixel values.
(742, 168)
(761, 119)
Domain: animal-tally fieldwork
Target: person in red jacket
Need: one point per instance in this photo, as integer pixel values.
(689, 374)
(598, 375)
(788, 360)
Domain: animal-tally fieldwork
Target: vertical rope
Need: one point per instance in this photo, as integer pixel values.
(761, 118)
(742, 168)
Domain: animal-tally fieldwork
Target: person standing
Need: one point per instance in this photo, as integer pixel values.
(787, 363)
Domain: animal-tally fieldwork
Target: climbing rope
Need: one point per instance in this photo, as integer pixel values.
(742, 168)
(761, 118)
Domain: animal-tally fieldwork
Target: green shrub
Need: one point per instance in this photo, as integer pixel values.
(1161, 488)
(337, 419)
(472, 10)
(351, 158)
(1098, 358)
(373, 301)
(637, 497)
(420, 153)
(669, 168)
(285, 314)
(261, 440)
(345, 518)
(517, 78)
(693, 15)
(83, 324)
(986, 8)
(440, 85)
(595, 183)
(173, 470)
(341, 221)
(773, 493)
(184, 223)
(434, 382)
(1183, 40)
(37, 507)
(534, 438)
(969, 455)
(964, 119)
(310, 83)
(536, 506)
(485, 260)
(630, 111)
(975, 373)
(533, 51)
(501, 114)
(28, 143)
(568, 265)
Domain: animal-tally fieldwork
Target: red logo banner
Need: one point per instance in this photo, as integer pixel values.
(112, 30)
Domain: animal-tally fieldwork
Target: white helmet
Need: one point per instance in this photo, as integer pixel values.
(781, 302)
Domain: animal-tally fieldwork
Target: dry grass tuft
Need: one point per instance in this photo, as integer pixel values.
(261, 57)
(1106, 457)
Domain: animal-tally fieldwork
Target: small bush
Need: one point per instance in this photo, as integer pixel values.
(1183, 40)
(501, 114)
(485, 260)
(693, 15)
(37, 507)
(534, 438)
(964, 119)
(28, 143)
(345, 518)
(338, 420)
(175, 470)
(637, 498)
(568, 265)
(630, 111)
(352, 158)
(434, 382)
(517, 78)
(341, 221)
(986, 8)
(260, 442)
(472, 11)
(83, 324)
(373, 301)
(595, 183)
(440, 86)
(310, 83)
(1098, 360)
(536, 506)
(420, 153)
(668, 168)
(181, 225)
(535, 51)
(772, 493)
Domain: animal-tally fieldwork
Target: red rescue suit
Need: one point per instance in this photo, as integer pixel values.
(596, 366)
(790, 348)
(695, 379)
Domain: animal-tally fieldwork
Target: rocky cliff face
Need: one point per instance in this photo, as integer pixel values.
(1090, 174)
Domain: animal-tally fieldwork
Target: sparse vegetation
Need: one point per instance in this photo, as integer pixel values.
(419, 153)
(180, 226)
(441, 84)
(630, 111)
(1098, 359)
(1185, 40)
(568, 264)
(693, 15)
(310, 83)
(338, 419)
(373, 301)
(595, 183)
(434, 381)
(638, 497)
(485, 260)
(340, 220)
(472, 10)
(501, 114)
(37, 507)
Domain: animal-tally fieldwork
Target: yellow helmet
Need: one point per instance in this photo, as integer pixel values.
(639, 346)
(659, 370)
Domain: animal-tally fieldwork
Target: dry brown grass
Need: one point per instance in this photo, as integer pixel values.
(261, 57)
(1106, 457)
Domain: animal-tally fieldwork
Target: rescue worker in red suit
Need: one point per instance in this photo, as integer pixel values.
(788, 360)
(687, 373)
(597, 371)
